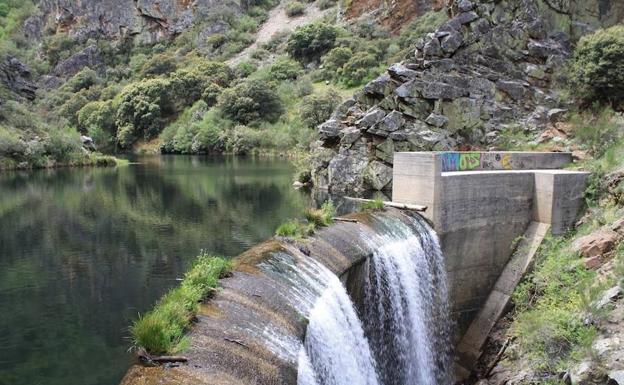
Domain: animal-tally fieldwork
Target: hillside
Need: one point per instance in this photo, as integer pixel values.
(180, 77)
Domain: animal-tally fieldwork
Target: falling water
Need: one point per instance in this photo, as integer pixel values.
(404, 339)
(407, 315)
(335, 352)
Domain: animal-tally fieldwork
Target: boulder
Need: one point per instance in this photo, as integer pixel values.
(597, 243)
(372, 117)
(329, 130)
(401, 73)
(391, 122)
(381, 86)
(438, 90)
(432, 48)
(514, 89)
(378, 175)
(557, 114)
(436, 120)
(452, 42)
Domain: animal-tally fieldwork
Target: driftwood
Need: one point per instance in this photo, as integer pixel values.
(403, 206)
(238, 342)
(498, 357)
(345, 220)
(148, 359)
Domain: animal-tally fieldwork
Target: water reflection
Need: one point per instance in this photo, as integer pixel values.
(83, 251)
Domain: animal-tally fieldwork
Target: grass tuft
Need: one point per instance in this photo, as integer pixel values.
(161, 331)
(376, 204)
(322, 217)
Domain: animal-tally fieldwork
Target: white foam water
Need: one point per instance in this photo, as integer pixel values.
(407, 317)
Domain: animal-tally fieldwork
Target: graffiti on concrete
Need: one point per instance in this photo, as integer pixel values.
(466, 161)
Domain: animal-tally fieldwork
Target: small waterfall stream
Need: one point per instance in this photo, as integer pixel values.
(399, 335)
(406, 334)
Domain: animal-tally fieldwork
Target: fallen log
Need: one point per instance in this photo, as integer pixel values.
(403, 206)
(148, 359)
(345, 220)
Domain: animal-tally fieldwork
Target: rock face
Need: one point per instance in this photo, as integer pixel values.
(146, 20)
(16, 76)
(490, 67)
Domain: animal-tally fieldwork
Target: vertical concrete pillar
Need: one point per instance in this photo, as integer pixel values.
(417, 180)
(558, 198)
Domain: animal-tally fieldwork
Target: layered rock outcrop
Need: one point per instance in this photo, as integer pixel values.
(489, 68)
(146, 20)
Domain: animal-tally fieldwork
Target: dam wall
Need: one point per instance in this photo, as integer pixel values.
(480, 203)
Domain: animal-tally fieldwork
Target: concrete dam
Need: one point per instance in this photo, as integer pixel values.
(389, 297)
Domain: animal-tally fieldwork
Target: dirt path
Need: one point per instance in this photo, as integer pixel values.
(279, 21)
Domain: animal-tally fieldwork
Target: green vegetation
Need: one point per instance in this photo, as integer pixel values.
(162, 330)
(310, 42)
(375, 204)
(597, 69)
(295, 8)
(314, 218)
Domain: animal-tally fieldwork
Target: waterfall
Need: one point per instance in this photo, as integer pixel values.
(335, 352)
(407, 315)
(401, 335)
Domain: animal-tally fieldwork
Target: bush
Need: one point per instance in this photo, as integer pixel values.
(294, 229)
(63, 144)
(310, 42)
(285, 69)
(159, 64)
(334, 60)
(69, 109)
(83, 79)
(98, 119)
(189, 84)
(598, 66)
(161, 331)
(245, 68)
(251, 101)
(375, 204)
(211, 93)
(241, 140)
(358, 69)
(321, 217)
(142, 106)
(596, 129)
(421, 26)
(295, 8)
(315, 109)
(325, 4)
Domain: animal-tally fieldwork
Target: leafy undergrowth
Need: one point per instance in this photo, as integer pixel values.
(554, 304)
(314, 218)
(161, 331)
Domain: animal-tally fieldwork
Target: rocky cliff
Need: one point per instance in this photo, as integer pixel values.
(147, 21)
(491, 67)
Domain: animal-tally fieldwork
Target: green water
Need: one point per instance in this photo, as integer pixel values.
(83, 251)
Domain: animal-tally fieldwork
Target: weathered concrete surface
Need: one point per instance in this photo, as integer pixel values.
(469, 348)
(479, 204)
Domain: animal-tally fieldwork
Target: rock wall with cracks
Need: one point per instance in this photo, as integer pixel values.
(490, 67)
(147, 21)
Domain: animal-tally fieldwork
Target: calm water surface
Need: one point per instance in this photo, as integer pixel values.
(83, 251)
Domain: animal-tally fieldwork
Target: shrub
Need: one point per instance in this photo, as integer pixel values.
(284, 69)
(310, 42)
(161, 330)
(189, 84)
(325, 4)
(358, 69)
(321, 217)
(294, 229)
(245, 68)
(598, 66)
(83, 79)
(62, 144)
(375, 204)
(249, 101)
(596, 129)
(295, 8)
(315, 109)
(98, 119)
(211, 93)
(421, 26)
(69, 109)
(241, 140)
(334, 60)
(159, 64)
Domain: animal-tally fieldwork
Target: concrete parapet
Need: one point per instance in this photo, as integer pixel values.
(480, 203)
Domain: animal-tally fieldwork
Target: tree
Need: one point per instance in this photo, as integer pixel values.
(251, 101)
(310, 42)
(315, 109)
(598, 66)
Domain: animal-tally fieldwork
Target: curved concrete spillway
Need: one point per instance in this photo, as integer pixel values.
(283, 317)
